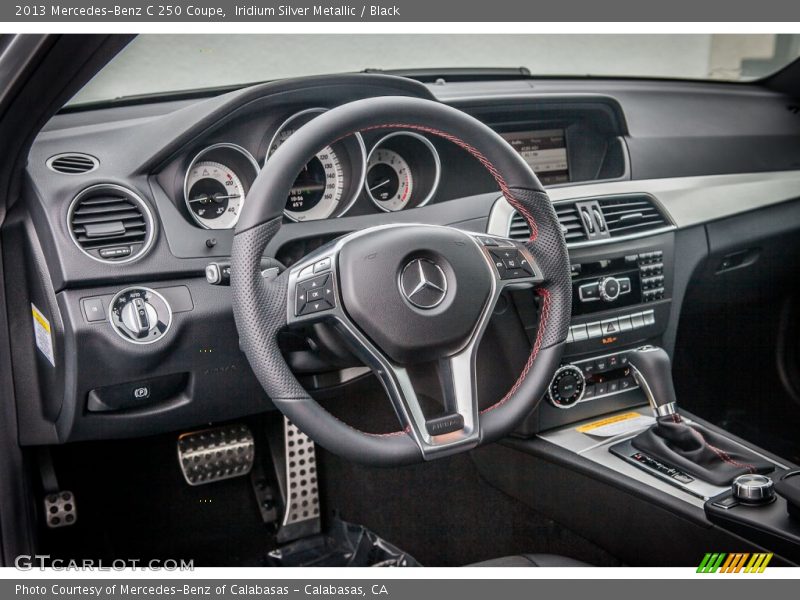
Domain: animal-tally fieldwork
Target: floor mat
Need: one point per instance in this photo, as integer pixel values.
(133, 502)
(444, 514)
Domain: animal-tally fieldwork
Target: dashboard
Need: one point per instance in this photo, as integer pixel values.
(123, 208)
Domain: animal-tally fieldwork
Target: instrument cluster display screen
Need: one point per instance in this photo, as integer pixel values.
(545, 151)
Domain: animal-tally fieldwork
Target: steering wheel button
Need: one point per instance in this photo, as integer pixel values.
(322, 265)
(315, 306)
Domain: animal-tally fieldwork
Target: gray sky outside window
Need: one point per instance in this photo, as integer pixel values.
(153, 64)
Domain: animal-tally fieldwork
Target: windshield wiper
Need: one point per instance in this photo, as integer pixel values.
(432, 75)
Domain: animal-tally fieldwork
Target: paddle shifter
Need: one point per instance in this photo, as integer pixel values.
(689, 447)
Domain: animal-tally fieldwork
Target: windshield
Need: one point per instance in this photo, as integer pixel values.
(156, 64)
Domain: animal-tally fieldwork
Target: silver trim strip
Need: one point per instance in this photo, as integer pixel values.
(688, 201)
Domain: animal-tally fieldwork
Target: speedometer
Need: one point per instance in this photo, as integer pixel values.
(318, 189)
(330, 182)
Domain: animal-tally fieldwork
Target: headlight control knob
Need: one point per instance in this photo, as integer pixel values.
(609, 288)
(566, 387)
(140, 315)
(753, 489)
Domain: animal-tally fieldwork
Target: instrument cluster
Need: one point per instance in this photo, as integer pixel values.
(398, 171)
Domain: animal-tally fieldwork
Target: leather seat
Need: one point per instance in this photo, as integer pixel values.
(531, 560)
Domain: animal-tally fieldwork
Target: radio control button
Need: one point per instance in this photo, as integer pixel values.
(609, 288)
(625, 323)
(589, 292)
(637, 319)
(579, 333)
(594, 330)
(649, 317)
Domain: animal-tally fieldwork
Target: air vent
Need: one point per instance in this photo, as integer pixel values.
(72, 163)
(568, 217)
(631, 215)
(111, 223)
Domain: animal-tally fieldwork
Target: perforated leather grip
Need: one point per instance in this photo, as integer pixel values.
(260, 306)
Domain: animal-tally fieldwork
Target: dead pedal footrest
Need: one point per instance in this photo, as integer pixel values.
(215, 454)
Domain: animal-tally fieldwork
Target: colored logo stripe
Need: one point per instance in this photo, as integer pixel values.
(734, 563)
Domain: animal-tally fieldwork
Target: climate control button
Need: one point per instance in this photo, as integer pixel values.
(567, 387)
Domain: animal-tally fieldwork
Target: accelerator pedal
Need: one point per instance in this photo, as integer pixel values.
(301, 515)
(215, 454)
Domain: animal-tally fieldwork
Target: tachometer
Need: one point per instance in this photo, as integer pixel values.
(216, 184)
(329, 183)
(403, 170)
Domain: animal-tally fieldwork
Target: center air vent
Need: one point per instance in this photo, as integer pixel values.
(601, 219)
(72, 163)
(568, 217)
(631, 214)
(111, 223)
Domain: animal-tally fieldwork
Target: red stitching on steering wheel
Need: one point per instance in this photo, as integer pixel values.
(501, 182)
(534, 353)
(513, 201)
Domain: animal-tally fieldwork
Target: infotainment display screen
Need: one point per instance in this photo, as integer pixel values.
(545, 151)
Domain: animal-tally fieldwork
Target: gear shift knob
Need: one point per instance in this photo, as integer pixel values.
(653, 372)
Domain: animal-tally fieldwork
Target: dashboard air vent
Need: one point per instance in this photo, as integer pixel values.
(630, 215)
(568, 217)
(72, 163)
(111, 223)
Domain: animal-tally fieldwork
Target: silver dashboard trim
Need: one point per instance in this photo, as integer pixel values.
(688, 201)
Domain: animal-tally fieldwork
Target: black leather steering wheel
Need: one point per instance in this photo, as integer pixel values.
(402, 294)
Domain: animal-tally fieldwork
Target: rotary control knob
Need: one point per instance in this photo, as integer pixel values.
(566, 387)
(753, 489)
(140, 315)
(609, 288)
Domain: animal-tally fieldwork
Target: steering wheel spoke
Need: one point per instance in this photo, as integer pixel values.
(407, 297)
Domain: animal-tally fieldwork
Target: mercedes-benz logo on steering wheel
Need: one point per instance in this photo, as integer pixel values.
(423, 283)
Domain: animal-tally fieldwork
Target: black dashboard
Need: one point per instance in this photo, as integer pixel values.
(649, 180)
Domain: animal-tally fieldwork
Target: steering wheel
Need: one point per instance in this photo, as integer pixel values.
(402, 294)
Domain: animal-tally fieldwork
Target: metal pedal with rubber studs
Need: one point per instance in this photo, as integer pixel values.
(60, 509)
(215, 454)
(301, 516)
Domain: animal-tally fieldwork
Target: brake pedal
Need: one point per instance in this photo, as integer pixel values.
(215, 454)
(301, 516)
(60, 509)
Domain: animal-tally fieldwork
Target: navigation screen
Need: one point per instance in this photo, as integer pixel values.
(545, 151)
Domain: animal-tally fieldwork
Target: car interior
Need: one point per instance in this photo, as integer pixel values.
(497, 319)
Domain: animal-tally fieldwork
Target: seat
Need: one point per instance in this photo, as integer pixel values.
(531, 560)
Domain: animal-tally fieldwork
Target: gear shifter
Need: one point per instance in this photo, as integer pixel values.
(653, 372)
(691, 448)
